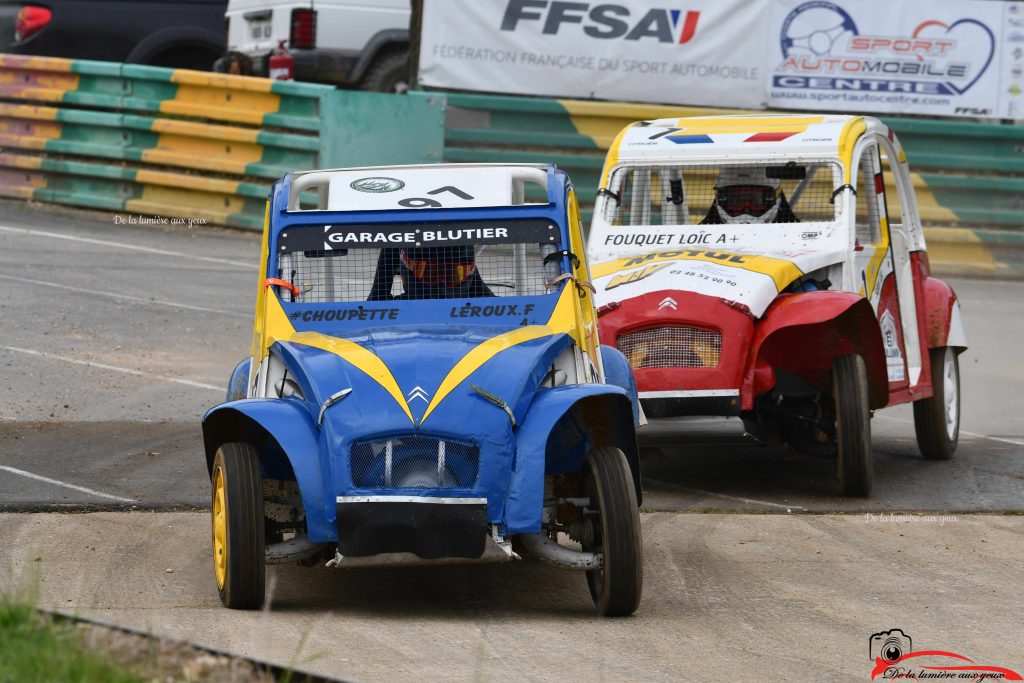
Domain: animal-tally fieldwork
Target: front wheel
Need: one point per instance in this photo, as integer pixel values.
(937, 419)
(854, 462)
(239, 542)
(608, 482)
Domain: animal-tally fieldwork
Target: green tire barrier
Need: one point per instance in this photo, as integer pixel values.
(188, 144)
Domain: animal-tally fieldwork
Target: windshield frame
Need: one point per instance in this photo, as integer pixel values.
(607, 241)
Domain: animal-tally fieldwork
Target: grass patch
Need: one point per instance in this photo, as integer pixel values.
(33, 648)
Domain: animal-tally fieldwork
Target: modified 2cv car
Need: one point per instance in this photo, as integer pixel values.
(426, 385)
(774, 268)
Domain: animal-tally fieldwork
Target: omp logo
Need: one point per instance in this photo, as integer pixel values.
(418, 392)
(603, 21)
(668, 302)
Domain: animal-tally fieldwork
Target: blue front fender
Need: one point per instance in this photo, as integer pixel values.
(561, 427)
(285, 435)
(617, 371)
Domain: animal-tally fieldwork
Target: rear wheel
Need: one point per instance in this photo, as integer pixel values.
(239, 544)
(608, 482)
(854, 462)
(937, 419)
(388, 73)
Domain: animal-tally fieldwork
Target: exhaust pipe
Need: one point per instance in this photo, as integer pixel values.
(557, 555)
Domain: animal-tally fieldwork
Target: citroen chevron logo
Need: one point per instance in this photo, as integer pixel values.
(417, 392)
(668, 302)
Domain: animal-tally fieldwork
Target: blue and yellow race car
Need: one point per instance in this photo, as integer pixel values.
(426, 385)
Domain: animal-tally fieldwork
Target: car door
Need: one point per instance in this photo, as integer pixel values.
(897, 207)
(874, 263)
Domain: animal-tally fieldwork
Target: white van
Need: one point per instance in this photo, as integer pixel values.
(361, 43)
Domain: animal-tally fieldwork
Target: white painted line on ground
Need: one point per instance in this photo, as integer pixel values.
(125, 297)
(112, 368)
(73, 487)
(1000, 439)
(749, 501)
(121, 245)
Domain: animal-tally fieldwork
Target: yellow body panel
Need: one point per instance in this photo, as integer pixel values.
(781, 271)
(361, 358)
(586, 315)
(259, 347)
(852, 131)
(748, 124)
(563, 320)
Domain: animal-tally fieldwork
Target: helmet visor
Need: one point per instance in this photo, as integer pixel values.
(752, 200)
(431, 270)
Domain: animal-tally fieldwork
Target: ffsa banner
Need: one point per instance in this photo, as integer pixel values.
(940, 57)
(708, 52)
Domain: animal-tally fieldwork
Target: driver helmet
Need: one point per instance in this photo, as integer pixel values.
(746, 195)
(434, 267)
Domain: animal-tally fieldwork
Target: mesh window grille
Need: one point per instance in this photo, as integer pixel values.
(414, 462)
(671, 347)
(869, 227)
(377, 274)
(700, 194)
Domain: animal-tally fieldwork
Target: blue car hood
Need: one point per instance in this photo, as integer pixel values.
(423, 376)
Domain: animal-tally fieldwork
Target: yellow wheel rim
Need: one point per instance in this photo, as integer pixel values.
(220, 528)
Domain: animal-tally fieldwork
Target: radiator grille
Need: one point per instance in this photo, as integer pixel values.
(672, 347)
(414, 462)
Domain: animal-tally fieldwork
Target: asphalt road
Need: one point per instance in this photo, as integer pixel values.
(116, 339)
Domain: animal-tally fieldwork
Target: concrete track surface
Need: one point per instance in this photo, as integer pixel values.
(115, 340)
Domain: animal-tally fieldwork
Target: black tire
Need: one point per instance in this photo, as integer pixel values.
(937, 419)
(616, 588)
(242, 581)
(389, 73)
(854, 461)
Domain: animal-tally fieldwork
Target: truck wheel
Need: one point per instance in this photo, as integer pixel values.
(239, 546)
(389, 73)
(937, 419)
(855, 462)
(608, 482)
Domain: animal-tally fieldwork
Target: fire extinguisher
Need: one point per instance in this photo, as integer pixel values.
(282, 64)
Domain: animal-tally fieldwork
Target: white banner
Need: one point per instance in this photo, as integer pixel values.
(940, 57)
(933, 57)
(707, 52)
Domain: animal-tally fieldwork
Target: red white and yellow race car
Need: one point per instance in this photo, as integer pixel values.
(774, 268)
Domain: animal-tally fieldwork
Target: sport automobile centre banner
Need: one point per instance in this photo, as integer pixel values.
(933, 57)
(940, 57)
